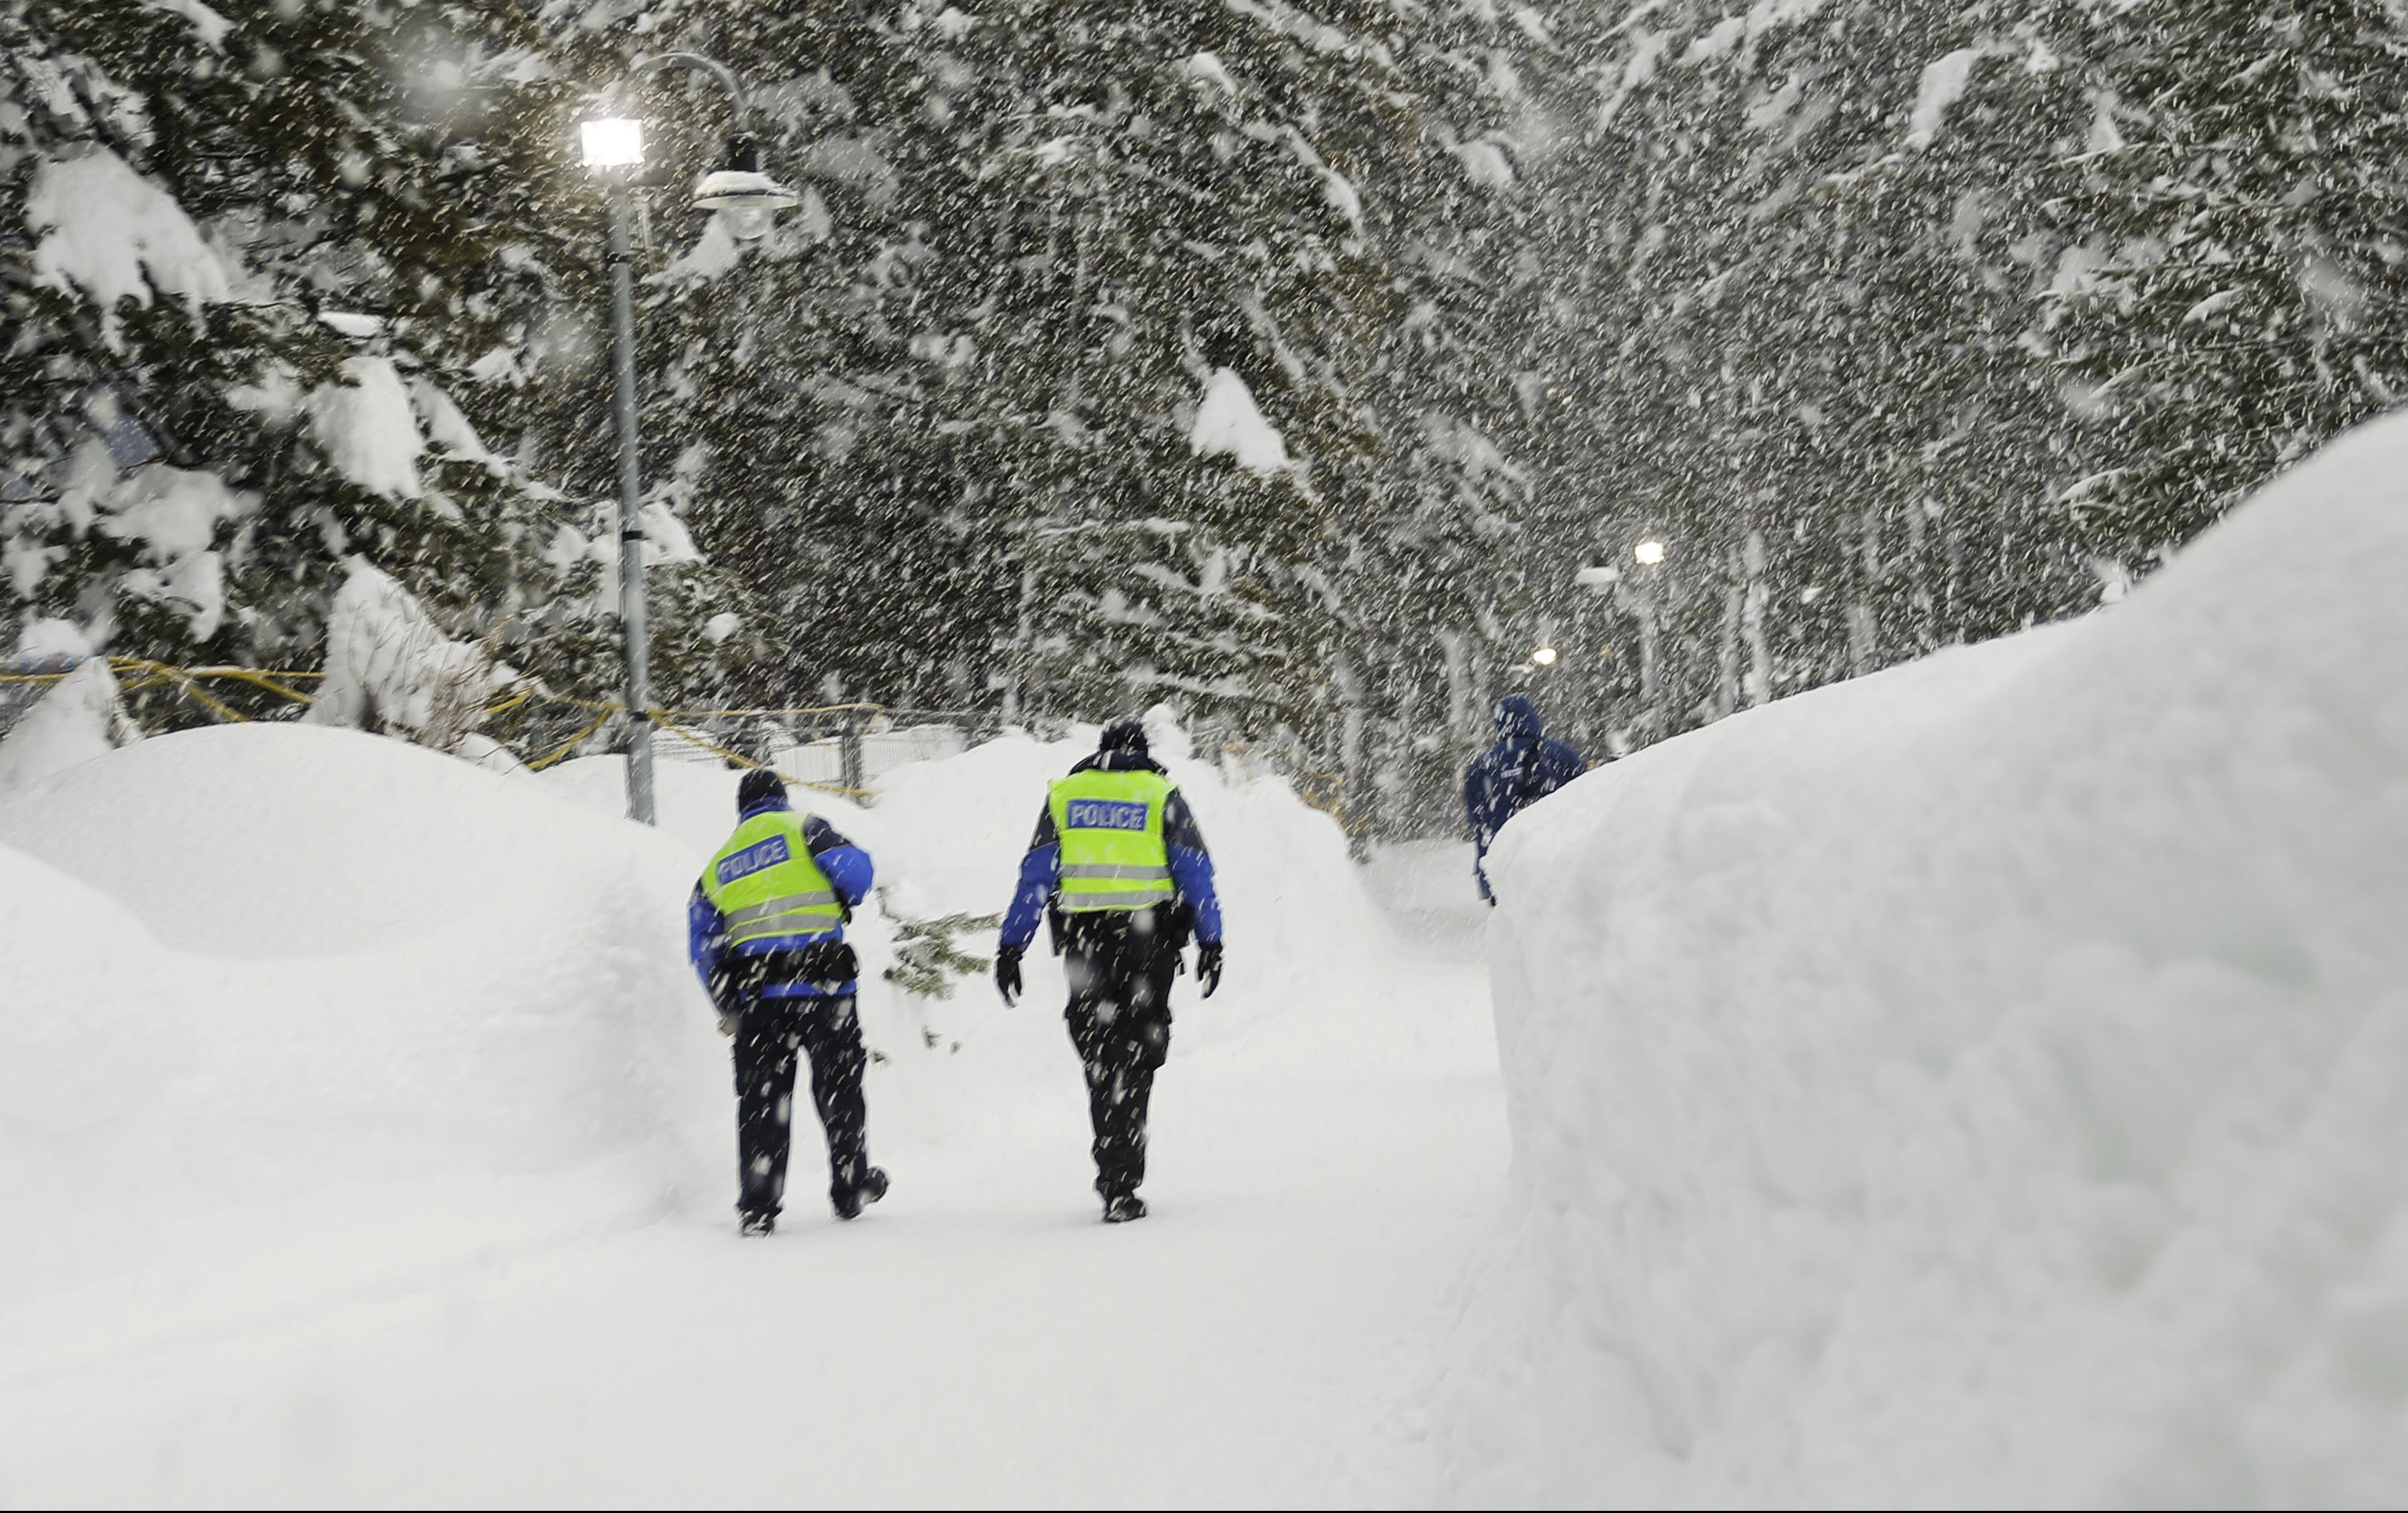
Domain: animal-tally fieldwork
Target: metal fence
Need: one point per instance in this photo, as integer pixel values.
(846, 750)
(842, 749)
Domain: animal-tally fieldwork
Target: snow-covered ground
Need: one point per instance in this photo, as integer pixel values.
(363, 1137)
(1985, 1083)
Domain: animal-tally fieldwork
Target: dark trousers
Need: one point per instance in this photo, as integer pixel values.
(1120, 967)
(770, 1035)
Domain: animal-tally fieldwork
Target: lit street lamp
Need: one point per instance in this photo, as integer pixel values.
(747, 201)
(1636, 594)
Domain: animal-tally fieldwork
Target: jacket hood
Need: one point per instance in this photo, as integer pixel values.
(760, 792)
(1123, 734)
(1119, 761)
(1517, 719)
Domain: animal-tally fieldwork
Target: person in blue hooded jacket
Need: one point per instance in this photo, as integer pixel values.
(766, 933)
(1523, 767)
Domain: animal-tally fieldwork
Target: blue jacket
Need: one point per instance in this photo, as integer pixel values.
(1191, 865)
(849, 872)
(1523, 767)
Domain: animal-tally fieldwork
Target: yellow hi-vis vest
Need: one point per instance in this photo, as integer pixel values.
(1109, 827)
(765, 883)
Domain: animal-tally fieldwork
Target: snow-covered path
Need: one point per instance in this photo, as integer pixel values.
(1267, 1337)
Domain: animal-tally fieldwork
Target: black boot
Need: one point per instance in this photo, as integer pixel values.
(1121, 1207)
(758, 1223)
(872, 1186)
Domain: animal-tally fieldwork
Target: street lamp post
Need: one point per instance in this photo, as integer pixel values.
(1636, 593)
(748, 200)
(1647, 601)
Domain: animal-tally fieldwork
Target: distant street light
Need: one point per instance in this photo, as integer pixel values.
(747, 202)
(1544, 656)
(1649, 551)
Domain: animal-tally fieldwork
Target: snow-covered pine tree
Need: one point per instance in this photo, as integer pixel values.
(1040, 244)
(262, 257)
(1804, 357)
(2239, 290)
(1436, 576)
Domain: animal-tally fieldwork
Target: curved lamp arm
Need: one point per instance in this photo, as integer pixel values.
(645, 68)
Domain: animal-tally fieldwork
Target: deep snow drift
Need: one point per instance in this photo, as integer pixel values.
(363, 1136)
(1987, 1082)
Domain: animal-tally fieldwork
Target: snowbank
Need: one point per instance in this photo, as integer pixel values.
(316, 993)
(363, 1139)
(947, 837)
(1984, 1083)
(295, 1012)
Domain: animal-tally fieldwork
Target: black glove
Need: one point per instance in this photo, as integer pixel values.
(1208, 966)
(1007, 975)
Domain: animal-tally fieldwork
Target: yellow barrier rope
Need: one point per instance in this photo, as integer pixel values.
(151, 675)
(148, 675)
(158, 674)
(142, 674)
(571, 743)
(258, 679)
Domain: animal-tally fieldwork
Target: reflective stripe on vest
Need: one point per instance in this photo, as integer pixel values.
(738, 919)
(765, 884)
(1109, 826)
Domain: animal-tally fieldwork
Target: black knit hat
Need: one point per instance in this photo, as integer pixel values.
(1127, 733)
(756, 786)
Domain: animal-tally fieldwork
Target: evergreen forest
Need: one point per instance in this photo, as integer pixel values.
(1658, 357)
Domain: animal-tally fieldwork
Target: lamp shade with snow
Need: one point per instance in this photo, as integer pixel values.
(748, 198)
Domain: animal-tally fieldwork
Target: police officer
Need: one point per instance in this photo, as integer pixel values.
(766, 931)
(1119, 868)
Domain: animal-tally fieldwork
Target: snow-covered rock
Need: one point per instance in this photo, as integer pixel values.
(1984, 1083)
